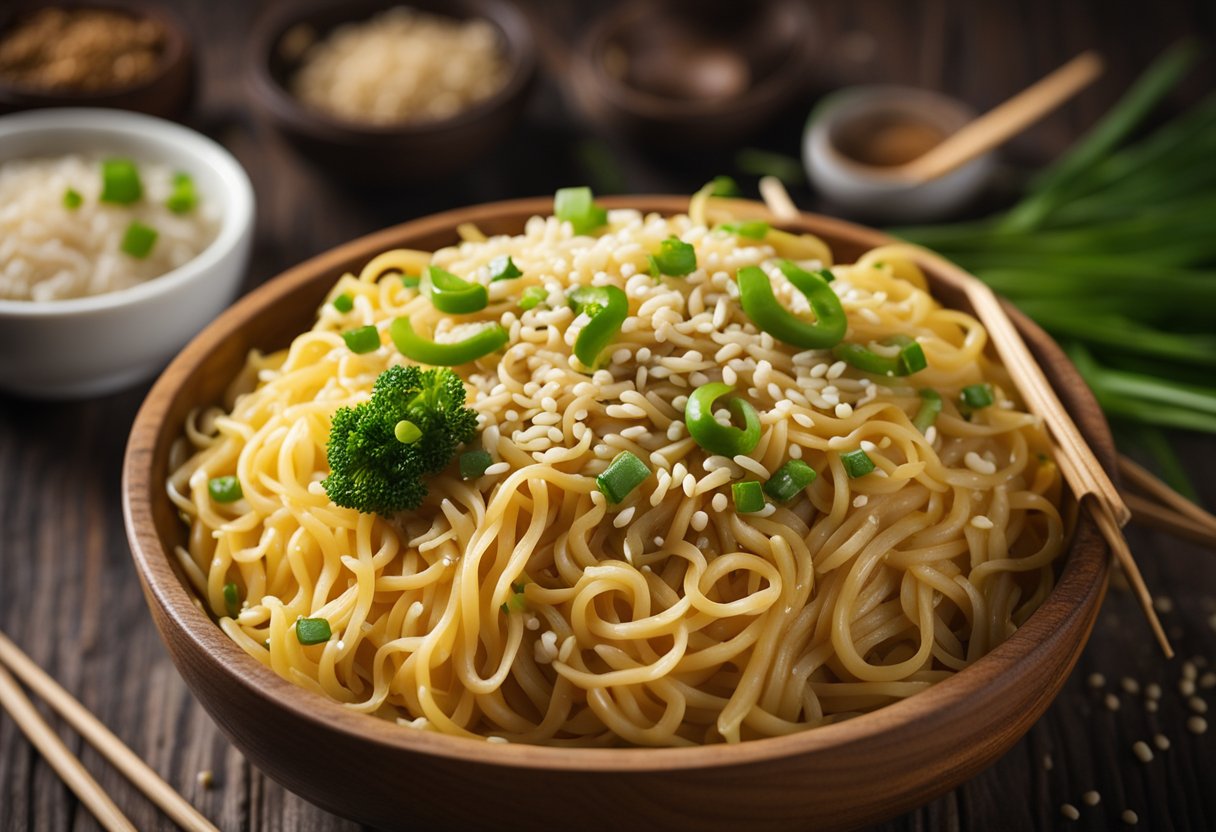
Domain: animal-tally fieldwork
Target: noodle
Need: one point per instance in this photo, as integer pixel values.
(670, 619)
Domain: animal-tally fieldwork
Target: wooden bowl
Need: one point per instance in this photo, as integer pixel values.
(386, 154)
(168, 93)
(391, 776)
(682, 74)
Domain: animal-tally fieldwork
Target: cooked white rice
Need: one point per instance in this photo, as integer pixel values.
(48, 252)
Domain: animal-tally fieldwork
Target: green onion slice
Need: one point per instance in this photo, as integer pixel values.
(752, 229)
(713, 436)
(473, 464)
(120, 182)
(577, 206)
(857, 463)
(225, 489)
(313, 630)
(362, 340)
(977, 396)
(344, 303)
(504, 268)
(533, 297)
(424, 351)
(138, 239)
(607, 307)
(411, 281)
(723, 186)
(454, 295)
(625, 473)
(72, 199)
(910, 358)
(789, 480)
(930, 407)
(183, 197)
(748, 495)
(676, 258)
(761, 305)
(232, 599)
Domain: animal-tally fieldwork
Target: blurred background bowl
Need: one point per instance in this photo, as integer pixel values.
(392, 153)
(94, 345)
(680, 74)
(167, 92)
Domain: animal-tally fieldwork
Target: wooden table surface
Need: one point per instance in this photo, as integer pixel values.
(69, 595)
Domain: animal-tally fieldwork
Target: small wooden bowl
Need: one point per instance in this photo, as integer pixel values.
(386, 154)
(649, 71)
(391, 776)
(168, 93)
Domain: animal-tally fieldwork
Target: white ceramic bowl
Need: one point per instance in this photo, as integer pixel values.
(94, 345)
(870, 192)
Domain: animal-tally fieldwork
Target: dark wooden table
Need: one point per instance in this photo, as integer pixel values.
(69, 595)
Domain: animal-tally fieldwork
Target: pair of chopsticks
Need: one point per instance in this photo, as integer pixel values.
(1161, 507)
(1090, 483)
(13, 662)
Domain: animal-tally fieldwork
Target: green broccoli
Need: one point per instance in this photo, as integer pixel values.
(380, 451)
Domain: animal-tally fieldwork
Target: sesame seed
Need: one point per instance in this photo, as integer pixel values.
(1151, 706)
(795, 452)
(1143, 753)
(1153, 691)
(1112, 702)
(1163, 604)
(1096, 680)
(498, 740)
(1048, 763)
(844, 410)
(699, 521)
(1198, 705)
(1162, 742)
(978, 464)
(1091, 798)
(1207, 680)
(1186, 687)
(1130, 685)
(1197, 725)
(622, 519)
(1069, 811)
(931, 434)
(719, 502)
(1129, 817)
(979, 521)
(836, 370)
(860, 500)
(1189, 671)
(206, 778)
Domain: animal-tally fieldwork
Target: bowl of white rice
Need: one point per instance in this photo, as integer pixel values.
(121, 235)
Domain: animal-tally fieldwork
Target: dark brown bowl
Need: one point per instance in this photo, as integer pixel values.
(387, 154)
(167, 94)
(394, 777)
(630, 76)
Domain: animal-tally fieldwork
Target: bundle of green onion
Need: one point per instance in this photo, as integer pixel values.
(1113, 251)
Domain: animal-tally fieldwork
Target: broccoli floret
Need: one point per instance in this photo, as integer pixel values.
(371, 470)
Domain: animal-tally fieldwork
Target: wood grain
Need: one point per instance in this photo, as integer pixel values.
(69, 595)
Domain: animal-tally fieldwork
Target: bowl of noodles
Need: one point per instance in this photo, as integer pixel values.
(556, 512)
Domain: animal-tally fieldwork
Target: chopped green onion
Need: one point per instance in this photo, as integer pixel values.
(723, 186)
(606, 307)
(794, 273)
(454, 295)
(72, 199)
(857, 463)
(138, 239)
(424, 351)
(232, 599)
(712, 435)
(930, 407)
(761, 305)
(120, 182)
(313, 630)
(183, 197)
(362, 340)
(517, 587)
(910, 358)
(533, 297)
(411, 281)
(516, 603)
(752, 229)
(749, 496)
(577, 206)
(344, 303)
(473, 464)
(225, 489)
(675, 258)
(407, 432)
(622, 475)
(759, 162)
(504, 268)
(790, 479)
(977, 396)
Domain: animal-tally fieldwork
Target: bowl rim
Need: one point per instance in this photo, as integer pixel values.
(785, 80)
(237, 201)
(1076, 594)
(270, 27)
(178, 48)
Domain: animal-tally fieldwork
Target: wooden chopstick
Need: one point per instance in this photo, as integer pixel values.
(69, 769)
(1170, 500)
(99, 736)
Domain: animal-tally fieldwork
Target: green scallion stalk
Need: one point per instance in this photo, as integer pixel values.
(72, 199)
(577, 207)
(748, 496)
(789, 480)
(232, 599)
(533, 297)
(138, 239)
(120, 182)
(313, 631)
(857, 463)
(183, 198)
(976, 396)
(930, 407)
(676, 258)
(751, 229)
(625, 473)
(344, 303)
(504, 268)
(724, 186)
(365, 339)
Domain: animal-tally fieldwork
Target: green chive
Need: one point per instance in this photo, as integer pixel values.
(675, 258)
(407, 432)
(930, 406)
(724, 186)
(183, 197)
(752, 229)
(504, 268)
(912, 358)
(362, 340)
(749, 496)
(857, 463)
(977, 396)
(138, 239)
(532, 297)
(120, 182)
(516, 603)
(789, 480)
(225, 489)
(577, 206)
(517, 588)
(313, 630)
(344, 303)
(232, 600)
(624, 474)
(473, 464)
(72, 199)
